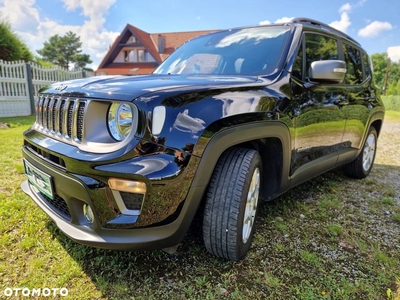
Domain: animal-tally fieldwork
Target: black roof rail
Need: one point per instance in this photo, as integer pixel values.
(323, 25)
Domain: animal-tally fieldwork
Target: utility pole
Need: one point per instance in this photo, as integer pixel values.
(386, 75)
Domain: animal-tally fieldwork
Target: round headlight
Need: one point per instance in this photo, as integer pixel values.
(120, 119)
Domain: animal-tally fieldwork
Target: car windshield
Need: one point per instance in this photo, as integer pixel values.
(249, 51)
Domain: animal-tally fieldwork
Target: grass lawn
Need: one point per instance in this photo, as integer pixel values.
(331, 238)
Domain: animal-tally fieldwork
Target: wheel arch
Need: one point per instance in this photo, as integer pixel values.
(271, 139)
(253, 135)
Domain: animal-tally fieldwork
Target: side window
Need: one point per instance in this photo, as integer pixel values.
(367, 66)
(319, 47)
(352, 57)
(297, 70)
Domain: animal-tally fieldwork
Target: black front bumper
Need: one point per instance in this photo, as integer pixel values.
(76, 194)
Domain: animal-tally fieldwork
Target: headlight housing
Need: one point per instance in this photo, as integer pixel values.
(120, 120)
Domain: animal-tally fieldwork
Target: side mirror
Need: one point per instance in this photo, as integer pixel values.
(328, 71)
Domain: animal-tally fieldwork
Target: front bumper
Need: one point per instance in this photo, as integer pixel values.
(124, 239)
(78, 190)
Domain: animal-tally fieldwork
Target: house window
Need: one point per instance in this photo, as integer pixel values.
(129, 56)
(135, 55)
(141, 55)
(132, 40)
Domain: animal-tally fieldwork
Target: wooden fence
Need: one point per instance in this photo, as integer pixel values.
(21, 81)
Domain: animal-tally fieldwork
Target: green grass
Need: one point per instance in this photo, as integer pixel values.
(391, 102)
(315, 242)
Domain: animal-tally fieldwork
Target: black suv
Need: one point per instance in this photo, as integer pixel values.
(228, 119)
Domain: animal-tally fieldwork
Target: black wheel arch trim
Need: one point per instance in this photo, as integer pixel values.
(376, 116)
(214, 149)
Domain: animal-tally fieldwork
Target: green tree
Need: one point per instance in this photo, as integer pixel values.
(380, 63)
(64, 50)
(11, 46)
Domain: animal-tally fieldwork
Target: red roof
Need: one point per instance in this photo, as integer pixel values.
(151, 42)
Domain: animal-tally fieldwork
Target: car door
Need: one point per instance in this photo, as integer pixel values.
(359, 97)
(318, 116)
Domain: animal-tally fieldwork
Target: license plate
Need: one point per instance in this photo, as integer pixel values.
(39, 179)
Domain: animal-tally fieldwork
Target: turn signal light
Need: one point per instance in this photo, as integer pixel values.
(127, 186)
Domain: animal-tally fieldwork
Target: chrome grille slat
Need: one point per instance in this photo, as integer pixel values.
(44, 117)
(70, 118)
(63, 117)
(53, 114)
(79, 122)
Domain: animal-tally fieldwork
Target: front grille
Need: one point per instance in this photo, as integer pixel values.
(58, 205)
(61, 116)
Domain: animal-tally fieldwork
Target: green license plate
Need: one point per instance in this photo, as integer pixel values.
(39, 179)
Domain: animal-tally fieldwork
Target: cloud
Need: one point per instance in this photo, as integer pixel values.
(344, 21)
(374, 29)
(345, 8)
(90, 8)
(284, 19)
(266, 22)
(281, 20)
(394, 53)
(35, 30)
(21, 14)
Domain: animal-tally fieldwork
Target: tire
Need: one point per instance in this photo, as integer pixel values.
(233, 192)
(362, 165)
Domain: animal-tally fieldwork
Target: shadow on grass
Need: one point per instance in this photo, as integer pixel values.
(193, 272)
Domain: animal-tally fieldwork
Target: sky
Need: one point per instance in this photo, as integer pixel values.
(375, 24)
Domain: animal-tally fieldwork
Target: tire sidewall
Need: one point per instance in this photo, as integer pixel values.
(244, 247)
(361, 157)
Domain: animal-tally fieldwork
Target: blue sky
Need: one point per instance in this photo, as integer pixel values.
(374, 23)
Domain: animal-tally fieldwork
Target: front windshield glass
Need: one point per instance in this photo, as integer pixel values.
(250, 51)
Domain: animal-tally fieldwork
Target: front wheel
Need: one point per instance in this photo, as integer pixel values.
(362, 165)
(232, 202)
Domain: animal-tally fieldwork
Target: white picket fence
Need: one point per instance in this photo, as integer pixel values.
(21, 81)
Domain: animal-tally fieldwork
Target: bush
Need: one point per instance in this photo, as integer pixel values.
(11, 46)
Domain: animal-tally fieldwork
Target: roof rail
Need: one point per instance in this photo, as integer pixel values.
(323, 25)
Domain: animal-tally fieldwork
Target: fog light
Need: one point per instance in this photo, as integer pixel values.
(129, 186)
(88, 213)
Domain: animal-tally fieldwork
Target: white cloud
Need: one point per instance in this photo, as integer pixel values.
(34, 30)
(21, 14)
(374, 29)
(394, 53)
(281, 20)
(345, 8)
(90, 8)
(284, 20)
(343, 23)
(266, 22)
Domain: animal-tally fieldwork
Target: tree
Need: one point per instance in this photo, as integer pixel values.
(64, 50)
(380, 63)
(11, 46)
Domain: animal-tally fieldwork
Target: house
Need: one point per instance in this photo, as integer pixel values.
(136, 52)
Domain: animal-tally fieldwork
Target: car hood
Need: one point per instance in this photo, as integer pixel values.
(130, 87)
